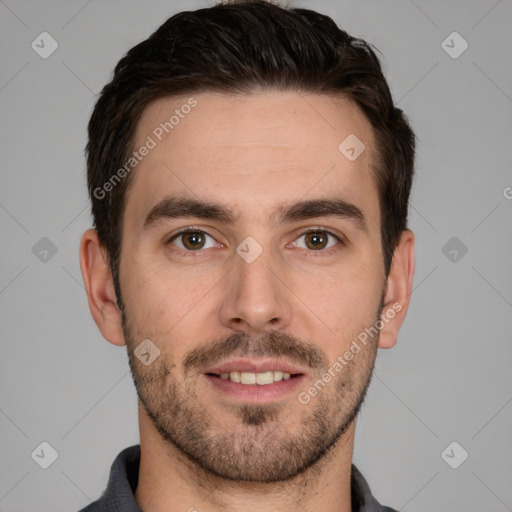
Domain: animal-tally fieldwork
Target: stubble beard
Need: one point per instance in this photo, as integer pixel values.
(261, 445)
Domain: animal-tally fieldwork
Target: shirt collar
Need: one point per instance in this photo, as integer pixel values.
(124, 478)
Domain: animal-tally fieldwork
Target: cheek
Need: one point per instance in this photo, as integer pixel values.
(160, 295)
(346, 291)
(346, 301)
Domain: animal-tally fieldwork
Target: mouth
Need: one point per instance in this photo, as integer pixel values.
(255, 380)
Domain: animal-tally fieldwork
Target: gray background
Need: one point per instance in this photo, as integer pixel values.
(449, 377)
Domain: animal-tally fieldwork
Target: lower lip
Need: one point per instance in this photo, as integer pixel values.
(255, 393)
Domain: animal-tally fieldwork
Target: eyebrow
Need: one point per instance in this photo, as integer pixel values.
(184, 207)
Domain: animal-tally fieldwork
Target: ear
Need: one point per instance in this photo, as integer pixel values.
(398, 290)
(99, 286)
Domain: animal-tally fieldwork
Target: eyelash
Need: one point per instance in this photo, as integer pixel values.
(316, 254)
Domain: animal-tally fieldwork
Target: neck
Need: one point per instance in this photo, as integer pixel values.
(170, 482)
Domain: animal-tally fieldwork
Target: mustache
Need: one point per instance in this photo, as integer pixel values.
(273, 344)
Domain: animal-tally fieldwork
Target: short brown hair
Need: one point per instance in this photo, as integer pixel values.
(241, 47)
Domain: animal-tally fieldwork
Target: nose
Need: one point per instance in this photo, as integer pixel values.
(255, 298)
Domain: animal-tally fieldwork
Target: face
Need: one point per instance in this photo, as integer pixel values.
(252, 251)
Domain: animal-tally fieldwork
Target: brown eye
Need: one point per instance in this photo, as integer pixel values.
(316, 240)
(192, 240)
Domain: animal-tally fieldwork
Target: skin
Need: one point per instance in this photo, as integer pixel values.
(253, 153)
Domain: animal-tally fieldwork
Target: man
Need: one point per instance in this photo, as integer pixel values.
(249, 178)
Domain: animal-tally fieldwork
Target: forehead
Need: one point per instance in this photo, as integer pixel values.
(254, 151)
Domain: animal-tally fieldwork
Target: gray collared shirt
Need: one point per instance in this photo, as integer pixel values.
(124, 477)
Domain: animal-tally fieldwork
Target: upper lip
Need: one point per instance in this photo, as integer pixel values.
(256, 366)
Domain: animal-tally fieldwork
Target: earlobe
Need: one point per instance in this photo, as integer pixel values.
(398, 290)
(99, 286)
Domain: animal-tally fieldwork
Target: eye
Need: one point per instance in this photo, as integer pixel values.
(192, 240)
(318, 240)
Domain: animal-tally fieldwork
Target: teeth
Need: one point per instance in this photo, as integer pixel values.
(264, 378)
(260, 379)
(234, 376)
(278, 376)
